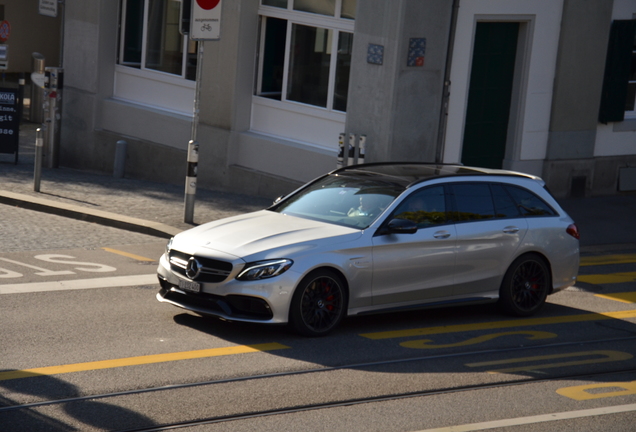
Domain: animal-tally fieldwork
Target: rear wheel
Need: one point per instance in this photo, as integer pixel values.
(525, 286)
(319, 303)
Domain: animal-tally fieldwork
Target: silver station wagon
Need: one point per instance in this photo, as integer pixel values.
(376, 238)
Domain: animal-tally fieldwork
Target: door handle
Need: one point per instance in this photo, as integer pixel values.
(441, 235)
(511, 230)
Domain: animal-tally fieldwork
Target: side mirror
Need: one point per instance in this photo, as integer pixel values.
(401, 226)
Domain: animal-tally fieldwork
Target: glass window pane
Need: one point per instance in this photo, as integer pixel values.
(275, 3)
(322, 7)
(191, 61)
(273, 61)
(348, 9)
(343, 67)
(528, 203)
(506, 207)
(425, 207)
(309, 65)
(133, 33)
(474, 202)
(165, 43)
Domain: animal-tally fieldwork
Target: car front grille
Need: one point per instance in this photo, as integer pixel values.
(209, 270)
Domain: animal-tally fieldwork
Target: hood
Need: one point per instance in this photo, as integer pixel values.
(253, 233)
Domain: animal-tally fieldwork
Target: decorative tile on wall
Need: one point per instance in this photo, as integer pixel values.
(375, 54)
(417, 49)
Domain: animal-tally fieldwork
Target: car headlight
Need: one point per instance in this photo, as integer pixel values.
(264, 269)
(169, 245)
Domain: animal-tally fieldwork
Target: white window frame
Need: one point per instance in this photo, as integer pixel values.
(150, 87)
(300, 122)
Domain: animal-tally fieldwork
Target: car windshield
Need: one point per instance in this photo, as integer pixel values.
(352, 201)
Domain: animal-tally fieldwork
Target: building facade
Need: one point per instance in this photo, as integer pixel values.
(540, 86)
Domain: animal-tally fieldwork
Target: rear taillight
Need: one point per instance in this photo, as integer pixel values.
(573, 230)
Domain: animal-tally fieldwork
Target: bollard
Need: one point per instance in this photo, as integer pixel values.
(120, 159)
(37, 171)
(191, 181)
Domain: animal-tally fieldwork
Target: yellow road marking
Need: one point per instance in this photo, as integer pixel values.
(141, 360)
(628, 297)
(580, 392)
(126, 254)
(599, 279)
(500, 324)
(609, 356)
(608, 259)
(424, 343)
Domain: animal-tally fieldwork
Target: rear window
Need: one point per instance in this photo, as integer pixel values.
(528, 203)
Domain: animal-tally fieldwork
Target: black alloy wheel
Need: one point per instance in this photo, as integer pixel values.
(319, 303)
(525, 286)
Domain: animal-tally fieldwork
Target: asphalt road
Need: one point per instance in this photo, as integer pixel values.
(86, 346)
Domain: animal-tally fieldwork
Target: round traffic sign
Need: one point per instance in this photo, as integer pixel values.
(208, 4)
(5, 31)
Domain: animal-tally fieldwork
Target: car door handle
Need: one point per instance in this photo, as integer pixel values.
(441, 235)
(511, 230)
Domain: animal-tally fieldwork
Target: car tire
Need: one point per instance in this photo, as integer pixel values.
(319, 303)
(525, 286)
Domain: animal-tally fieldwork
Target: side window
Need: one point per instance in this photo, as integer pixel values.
(473, 201)
(505, 206)
(425, 207)
(528, 203)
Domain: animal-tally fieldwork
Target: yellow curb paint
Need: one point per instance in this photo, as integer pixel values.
(141, 360)
(128, 255)
(500, 324)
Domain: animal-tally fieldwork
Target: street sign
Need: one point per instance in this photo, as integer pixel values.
(48, 8)
(5, 31)
(206, 20)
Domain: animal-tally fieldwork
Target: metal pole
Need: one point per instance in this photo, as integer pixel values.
(193, 147)
(37, 171)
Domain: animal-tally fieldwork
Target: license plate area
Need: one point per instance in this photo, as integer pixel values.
(189, 286)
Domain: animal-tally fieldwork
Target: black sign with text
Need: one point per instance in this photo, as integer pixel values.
(9, 121)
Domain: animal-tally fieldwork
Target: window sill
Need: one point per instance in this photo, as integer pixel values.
(627, 125)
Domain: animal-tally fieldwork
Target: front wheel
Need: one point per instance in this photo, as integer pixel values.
(319, 303)
(525, 286)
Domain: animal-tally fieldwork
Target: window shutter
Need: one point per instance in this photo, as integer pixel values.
(617, 68)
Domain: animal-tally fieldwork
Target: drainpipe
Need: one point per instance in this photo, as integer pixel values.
(443, 117)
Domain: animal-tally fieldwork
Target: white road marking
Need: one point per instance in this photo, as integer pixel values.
(79, 284)
(535, 419)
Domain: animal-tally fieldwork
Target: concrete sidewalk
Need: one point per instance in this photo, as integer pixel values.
(158, 209)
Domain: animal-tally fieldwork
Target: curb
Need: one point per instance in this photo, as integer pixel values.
(113, 220)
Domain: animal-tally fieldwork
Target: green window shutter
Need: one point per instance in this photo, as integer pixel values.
(617, 68)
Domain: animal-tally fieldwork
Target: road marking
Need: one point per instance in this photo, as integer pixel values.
(608, 259)
(128, 255)
(611, 278)
(141, 360)
(628, 297)
(580, 393)
(535, 419)
(424, 343)
(500, 324)
(607, 356)
(80, 284)
(40, 271)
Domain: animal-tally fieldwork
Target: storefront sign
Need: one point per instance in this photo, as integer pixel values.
(9, 121)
